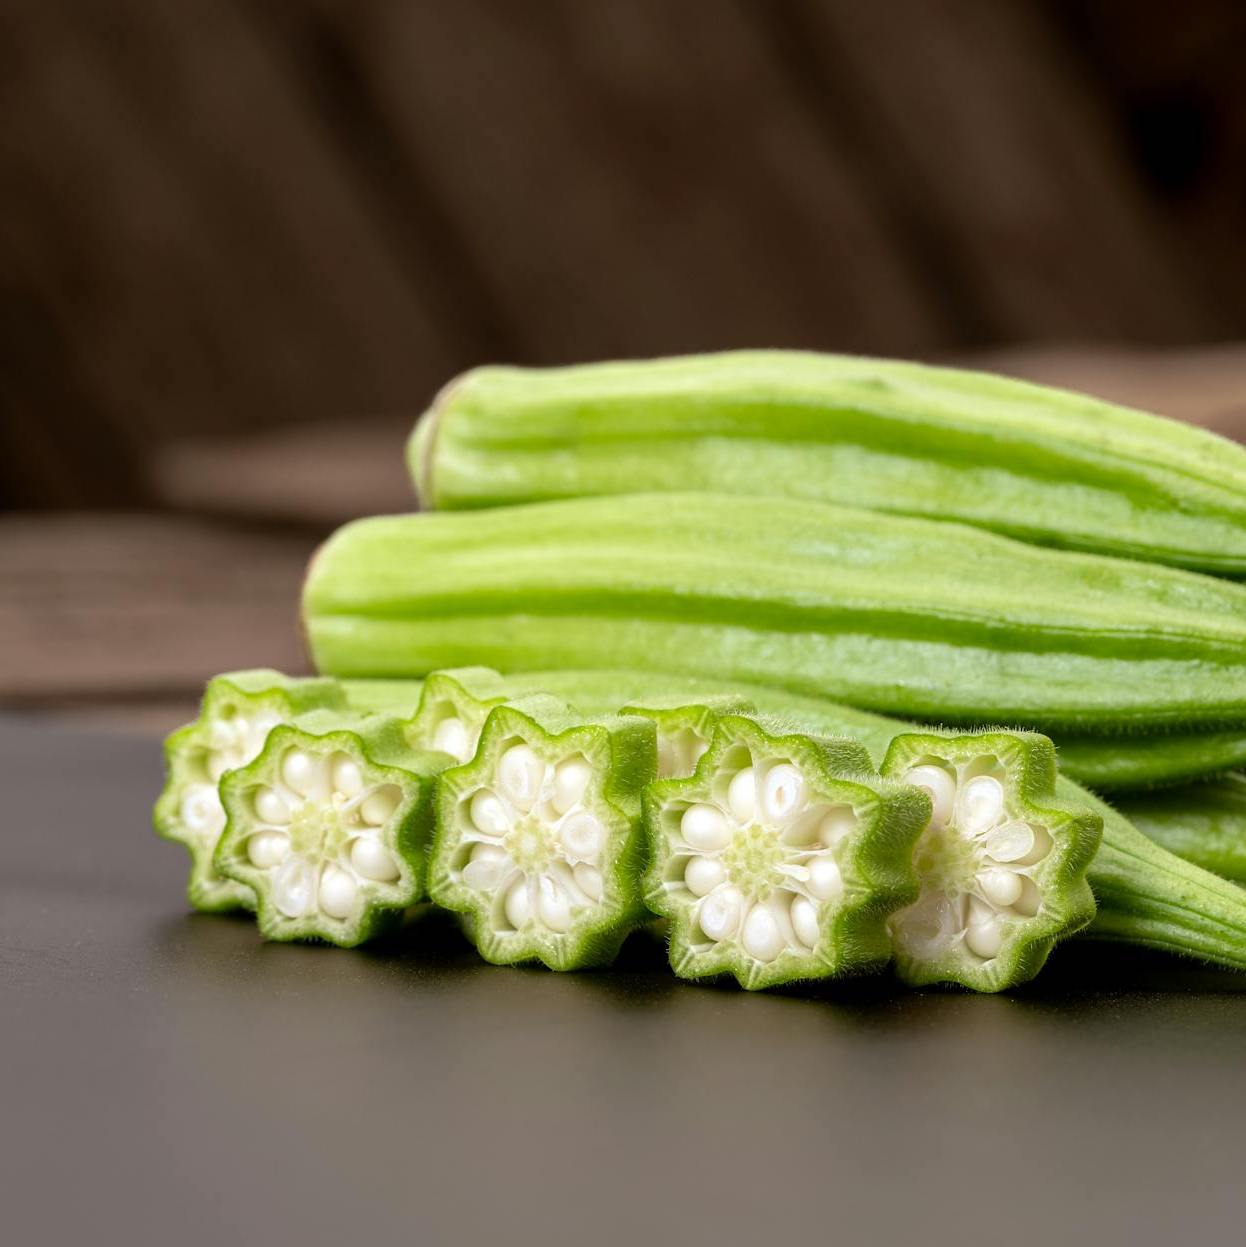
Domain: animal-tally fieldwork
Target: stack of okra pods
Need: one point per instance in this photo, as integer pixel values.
(634, 661)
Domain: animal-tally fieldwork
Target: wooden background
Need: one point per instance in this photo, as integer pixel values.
(244, 240)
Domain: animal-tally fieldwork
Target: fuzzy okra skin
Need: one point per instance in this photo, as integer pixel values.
(538, 839)
(328, 827)
(1040, 464)
(238, 711)
(781, 858)
(909, 617)
(1204, 823)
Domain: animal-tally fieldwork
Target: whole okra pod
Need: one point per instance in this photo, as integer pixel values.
(1204, 823)
(909, 617)
(1036, 463)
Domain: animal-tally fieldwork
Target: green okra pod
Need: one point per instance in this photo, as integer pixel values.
(781, 858)
(1036, 463)
(238, 711)
(538, 840)
(909, 617)
(1204, 823)
(328, 826)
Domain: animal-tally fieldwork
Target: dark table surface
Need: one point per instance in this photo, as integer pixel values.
(166, 1077)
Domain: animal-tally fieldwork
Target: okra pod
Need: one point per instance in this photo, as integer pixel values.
(781, 858)
(1035, 463)
(909, 617)
(537, 838)
(238, 711)
(328, 826)
(1204, 823)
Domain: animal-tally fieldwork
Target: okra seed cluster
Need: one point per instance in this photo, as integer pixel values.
(976, 860)
(759, 857)
(230, 741)
(319, 832)
(530, 841)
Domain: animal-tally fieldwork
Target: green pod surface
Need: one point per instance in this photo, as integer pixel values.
(238, 711)
(1108, 764)
(1204, 823)
(781, 858)
(328, 826)
(910, 617)
(1145, 894)
(1040, 464)
(538, 838)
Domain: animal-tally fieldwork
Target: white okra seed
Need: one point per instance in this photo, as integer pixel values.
(703, 874)
(981, 804)
(570, 783)
(588, 880)
(294, 886)
(825, 879)
(372, 860)
(271, 807)
(582, 836)
(520, 775)
(781, 792)
(379, 807)
(338, 893)
(742, 795)
(719, 913)
(451, 736)
(347, 777)
(761, 937)
(942, 789)
(488, 814)
(1000, 887)
(1009, 843)
(222, 734)
(841, 821)
(553, 904)
(488, 866)
(519, 903)
(202, 811)
(805, 921)
(299, 772)
(258, 729)
(704, 827)
(985, 938)
(267, 849)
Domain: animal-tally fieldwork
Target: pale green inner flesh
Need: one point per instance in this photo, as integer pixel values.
(756, 858)
(320, 834)
(531, 846)
(978, 861)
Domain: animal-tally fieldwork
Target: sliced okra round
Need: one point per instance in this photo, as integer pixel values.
(237, 713)
(684, 730)
(780, 858)
(1002, 863)
(328, 828)
(452, 710)
(537, 839)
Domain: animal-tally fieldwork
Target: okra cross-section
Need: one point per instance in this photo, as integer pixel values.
(1002, 862)
(537, 838)
(452, 710)
(238, 712)
(329, 828)
(780, 858)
